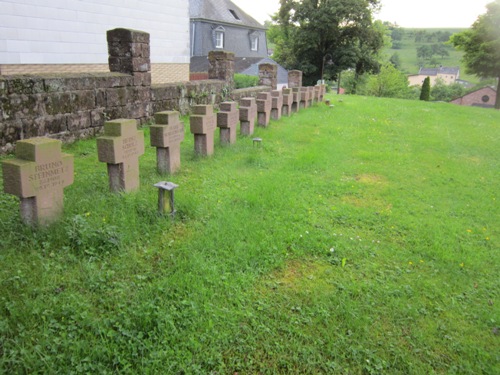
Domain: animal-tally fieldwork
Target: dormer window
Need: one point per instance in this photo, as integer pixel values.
(218, 35)
(234, 14)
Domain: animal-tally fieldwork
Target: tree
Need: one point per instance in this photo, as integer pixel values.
(446, 93)
(389, 83)
(481, 45)
(425, 94)
(395, 60)
(424, 52)
(340, 31)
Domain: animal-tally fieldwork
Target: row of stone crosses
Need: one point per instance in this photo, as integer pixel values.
(40, 170)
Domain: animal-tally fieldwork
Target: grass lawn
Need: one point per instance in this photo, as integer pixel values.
(358, 239)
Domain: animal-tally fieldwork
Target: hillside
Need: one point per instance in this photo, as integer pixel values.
(412, 39)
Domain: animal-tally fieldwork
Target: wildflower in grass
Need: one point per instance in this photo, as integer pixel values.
(87, 214)
(487, 238)
(462, 265)
(410, 263)
(421, 261)
(469, 231)
(332, 249)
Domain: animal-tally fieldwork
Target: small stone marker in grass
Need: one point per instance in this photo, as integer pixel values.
(166, 135)
(227, 121)
(263, 108)
(120, 147)
(248, 113)
(296, 99)
(276, 104)
(202, 125)
(38, 175)
(287, 102)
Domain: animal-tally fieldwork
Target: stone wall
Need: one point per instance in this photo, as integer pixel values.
(236, 95)
(67, 107)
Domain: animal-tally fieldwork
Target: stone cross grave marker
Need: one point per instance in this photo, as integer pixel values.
(248, 114)
(311, 91)
(304, 97)
(120, 147)
(296, 99)
(276, 104)
(263, 108)
(166, 135)
(38, 175)
(227, 121)
(317, 93)
(287, 102)
(202, 124)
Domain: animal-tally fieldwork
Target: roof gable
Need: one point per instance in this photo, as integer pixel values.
(440, 70)
(224, 11)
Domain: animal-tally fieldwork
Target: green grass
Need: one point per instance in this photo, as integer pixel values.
(410, 63)
(359, 239)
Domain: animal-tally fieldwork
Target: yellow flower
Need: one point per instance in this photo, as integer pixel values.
(421, 261)
(487, 238)
(469, 231)
(87, 214)
(462, 265)
(410, 263)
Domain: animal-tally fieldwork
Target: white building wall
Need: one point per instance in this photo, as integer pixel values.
(74, 31)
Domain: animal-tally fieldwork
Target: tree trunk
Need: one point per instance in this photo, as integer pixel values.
(497, 101)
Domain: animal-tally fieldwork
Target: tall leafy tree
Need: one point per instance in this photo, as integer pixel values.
(481, 45)
(324, 37)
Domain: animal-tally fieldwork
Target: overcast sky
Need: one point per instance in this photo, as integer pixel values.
(406, 13)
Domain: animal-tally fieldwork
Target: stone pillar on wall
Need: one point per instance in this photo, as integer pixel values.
(268, 75)
(129, 53)
(221, 66)
(294, 78)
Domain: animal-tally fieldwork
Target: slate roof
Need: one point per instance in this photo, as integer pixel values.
(223, 11)
(243, 65)
(440, 70)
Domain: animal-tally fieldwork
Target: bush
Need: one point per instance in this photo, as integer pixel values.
(242, 81)
(426, 90)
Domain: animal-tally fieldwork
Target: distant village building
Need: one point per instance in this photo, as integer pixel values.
(484, 97)
(222, 25)
(70, 36)
(446, 74)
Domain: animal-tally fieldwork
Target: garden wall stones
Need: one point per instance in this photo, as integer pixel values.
(202, 124)
(38, 175)
(166, 135)
(263, 108)
(221, 67)
(120, 148)
(248, 114)
(268, 75)
(227, 121)
(294, 78)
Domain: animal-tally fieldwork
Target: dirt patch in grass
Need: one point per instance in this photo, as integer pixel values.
(371, 179)
(302, 275)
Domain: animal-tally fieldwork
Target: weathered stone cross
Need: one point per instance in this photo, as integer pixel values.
(120, 148)
(166, 136)
(38, 176)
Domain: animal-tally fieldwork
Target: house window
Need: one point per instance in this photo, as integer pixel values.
(485, 99)
(219, 39)
(218, 35)
(255, 44)
(254, 40)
